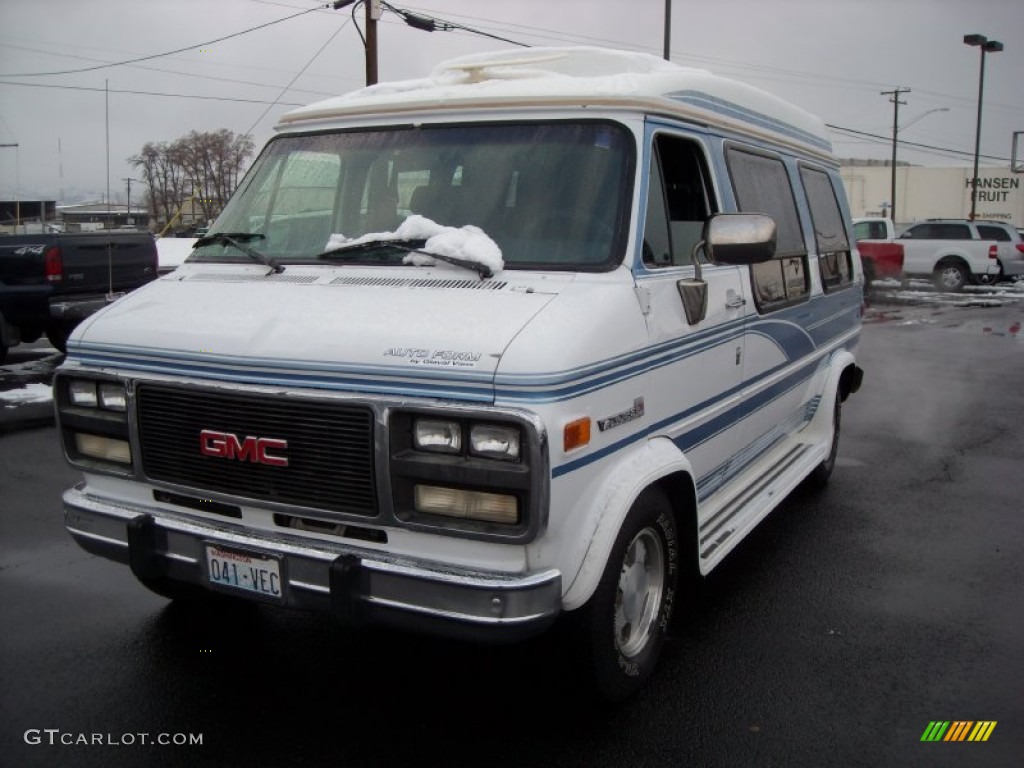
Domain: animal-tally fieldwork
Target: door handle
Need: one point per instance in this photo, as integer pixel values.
(734, 301)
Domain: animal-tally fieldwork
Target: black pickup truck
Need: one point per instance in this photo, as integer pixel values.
(50, 283)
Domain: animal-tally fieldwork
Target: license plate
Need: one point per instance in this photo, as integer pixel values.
(244, 571)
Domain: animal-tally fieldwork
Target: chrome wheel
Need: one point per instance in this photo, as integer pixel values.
(950, 277)
(639, 592)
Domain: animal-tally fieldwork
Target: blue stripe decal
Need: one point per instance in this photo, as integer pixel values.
(295, 379)
(700, 434)
(796, 331)
(711, 103)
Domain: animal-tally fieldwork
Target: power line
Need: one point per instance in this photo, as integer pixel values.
(169, 71)
(916, 145)
(166, 53)
(447, 26)
(153, 93)
(297, 76)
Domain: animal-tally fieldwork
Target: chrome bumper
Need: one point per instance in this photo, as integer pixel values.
(355, 585)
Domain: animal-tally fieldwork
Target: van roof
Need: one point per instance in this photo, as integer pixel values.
(581, 76)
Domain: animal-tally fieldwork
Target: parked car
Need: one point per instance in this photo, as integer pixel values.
(952, 252)
(556, 349)
(50, 282)
(881, 256)
(1010, 242)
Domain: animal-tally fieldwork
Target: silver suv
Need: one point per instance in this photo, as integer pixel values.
(1011, 247)
(1009, 242)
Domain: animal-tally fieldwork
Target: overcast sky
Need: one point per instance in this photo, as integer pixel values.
(833, 57)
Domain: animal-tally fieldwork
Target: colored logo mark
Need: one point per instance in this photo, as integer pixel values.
(958, 730)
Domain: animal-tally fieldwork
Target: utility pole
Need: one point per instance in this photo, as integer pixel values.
(373, 12)
(668, 29)
(895, 94)
(372, 15)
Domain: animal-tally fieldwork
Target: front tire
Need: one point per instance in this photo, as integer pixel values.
(624, 624)
(58, 334)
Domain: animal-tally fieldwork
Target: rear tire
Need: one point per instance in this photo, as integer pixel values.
(623, 625)
(951, 276)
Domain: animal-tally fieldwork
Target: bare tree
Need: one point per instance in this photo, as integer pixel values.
(204, 165)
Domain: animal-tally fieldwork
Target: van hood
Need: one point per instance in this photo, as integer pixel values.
(427, 332)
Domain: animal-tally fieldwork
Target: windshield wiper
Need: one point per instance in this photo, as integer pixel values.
(409, 245)
(237, 240)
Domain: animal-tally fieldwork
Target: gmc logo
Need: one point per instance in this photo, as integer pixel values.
(224, 445)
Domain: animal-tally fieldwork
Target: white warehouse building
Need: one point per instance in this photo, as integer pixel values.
(930, 193)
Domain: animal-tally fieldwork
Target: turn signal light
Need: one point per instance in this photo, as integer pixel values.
(576, 434)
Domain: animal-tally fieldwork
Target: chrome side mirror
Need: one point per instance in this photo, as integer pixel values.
(739, 238)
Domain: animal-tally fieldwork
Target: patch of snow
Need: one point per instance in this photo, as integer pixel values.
(31, 393)
(467, 243)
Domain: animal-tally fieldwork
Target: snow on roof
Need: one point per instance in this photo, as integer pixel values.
(578, 76)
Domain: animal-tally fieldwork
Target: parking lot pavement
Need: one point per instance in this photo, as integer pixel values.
(25, 378)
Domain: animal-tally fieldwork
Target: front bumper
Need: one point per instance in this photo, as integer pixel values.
(355, 585)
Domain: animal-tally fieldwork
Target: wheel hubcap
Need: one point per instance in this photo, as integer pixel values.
(951, 277)
(639, 593)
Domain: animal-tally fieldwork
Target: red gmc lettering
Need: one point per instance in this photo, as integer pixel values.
(224, 445)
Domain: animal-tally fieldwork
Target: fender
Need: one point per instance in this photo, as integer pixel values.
(821, 426)
(645, 465)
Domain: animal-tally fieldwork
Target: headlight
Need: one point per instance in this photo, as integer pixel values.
(494, 442)
(112, 397)
(106, 448)
(437, 436)
(82, 393)
(106, 395)
(475, 505)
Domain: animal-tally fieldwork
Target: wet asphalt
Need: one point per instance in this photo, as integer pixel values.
(833, 636)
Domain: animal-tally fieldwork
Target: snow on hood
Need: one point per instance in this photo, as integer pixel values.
(467, 243)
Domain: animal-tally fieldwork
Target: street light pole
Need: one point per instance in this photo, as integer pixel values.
(986, 46)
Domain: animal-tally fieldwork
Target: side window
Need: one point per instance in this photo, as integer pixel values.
(869, 230)
(988, 232)
(679, 201)
(951, 232)
(829, 232)
(761, 184)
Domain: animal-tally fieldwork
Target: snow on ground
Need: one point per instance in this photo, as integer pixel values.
(30, 393)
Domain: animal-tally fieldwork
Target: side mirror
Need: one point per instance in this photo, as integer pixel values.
(694, 293)
(739, 238)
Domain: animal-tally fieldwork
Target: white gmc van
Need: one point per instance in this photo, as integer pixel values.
(546, 332)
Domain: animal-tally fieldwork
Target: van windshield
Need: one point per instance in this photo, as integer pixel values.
(551, 195)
